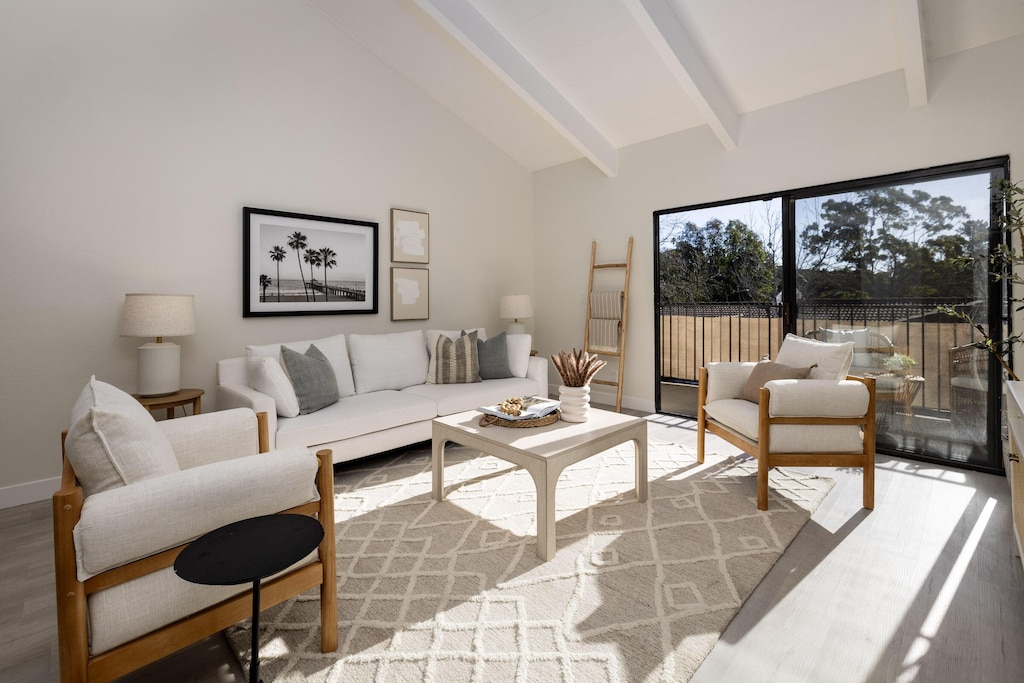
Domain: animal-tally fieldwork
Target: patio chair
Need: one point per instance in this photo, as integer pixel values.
(968, 386)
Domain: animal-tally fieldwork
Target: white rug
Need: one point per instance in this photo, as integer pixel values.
(454, 591)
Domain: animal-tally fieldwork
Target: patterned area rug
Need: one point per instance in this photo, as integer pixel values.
(454, 591)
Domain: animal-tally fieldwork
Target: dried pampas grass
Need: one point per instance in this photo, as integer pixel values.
(577, 368)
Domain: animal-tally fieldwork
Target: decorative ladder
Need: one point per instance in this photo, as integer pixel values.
(605, 333)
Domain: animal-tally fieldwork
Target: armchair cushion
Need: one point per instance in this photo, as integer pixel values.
(817, 398)
(765, 371)
(114, 441)
(212, 437)
(124, 524)
(727, 379)
(741, 416)
(833, 360)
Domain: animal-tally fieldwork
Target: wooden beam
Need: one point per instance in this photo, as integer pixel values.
(669, 37)
(911, 36)
(474, 32)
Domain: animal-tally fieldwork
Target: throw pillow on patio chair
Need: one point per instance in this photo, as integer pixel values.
(815, 416)
(134, 493)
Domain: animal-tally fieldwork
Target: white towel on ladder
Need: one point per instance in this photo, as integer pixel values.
(604, 335)
(606, 305)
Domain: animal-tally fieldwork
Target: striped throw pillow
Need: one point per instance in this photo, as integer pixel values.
(455, 361)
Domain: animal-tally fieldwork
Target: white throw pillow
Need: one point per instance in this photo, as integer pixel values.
(334, 348)
(519, 349)
(114, 441)
(268, 377)
(388, 361)
(833, 359)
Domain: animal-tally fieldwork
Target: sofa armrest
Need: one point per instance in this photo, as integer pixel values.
(212, 437)
(124, 524)
(727, 379)
(242, 396)
(538, 371)
(817, 398)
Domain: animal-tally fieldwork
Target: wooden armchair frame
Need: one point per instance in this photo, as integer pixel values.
(766, 460)
(76, 664)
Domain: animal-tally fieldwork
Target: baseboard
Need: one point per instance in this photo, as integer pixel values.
(32, 492)
(604, 397)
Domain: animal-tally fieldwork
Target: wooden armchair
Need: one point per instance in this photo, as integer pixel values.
(822, 420)
(119, 604)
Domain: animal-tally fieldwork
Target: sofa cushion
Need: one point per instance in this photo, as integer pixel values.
(519, 350)
(493, 356)
(334, 348)
(454, 361)
(387, 361)
(833, 360)
(268, 377)
(354, 416)
(455, 398)
(766, 371)
(114, 441)
(312, 377)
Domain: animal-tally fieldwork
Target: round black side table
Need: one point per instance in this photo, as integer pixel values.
(249, 550)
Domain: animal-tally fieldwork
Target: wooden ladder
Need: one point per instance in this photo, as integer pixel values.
(593, 346)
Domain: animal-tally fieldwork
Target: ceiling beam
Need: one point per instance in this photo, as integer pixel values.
(911, 36)
(474, 32)
(666, 33)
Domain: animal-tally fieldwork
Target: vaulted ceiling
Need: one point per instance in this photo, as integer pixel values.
(551, 81)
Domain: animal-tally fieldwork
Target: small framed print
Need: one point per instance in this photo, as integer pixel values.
(410, 236)
(410, 295)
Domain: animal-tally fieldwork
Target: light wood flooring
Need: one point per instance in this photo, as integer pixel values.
(927, 587)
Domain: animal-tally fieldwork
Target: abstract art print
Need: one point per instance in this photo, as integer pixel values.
(410, 295)
(299, 264)
(410, 236)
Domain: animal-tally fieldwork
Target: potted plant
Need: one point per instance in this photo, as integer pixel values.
(576, 370)
(1006, 264)
(899, 364)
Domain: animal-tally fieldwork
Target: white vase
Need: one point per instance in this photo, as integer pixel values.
(575, 403)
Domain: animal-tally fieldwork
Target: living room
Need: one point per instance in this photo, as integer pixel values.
(134, 135)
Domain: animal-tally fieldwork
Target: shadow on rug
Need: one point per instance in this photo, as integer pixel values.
(454, 591)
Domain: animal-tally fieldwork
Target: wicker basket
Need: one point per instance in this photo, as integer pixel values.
(488, 420)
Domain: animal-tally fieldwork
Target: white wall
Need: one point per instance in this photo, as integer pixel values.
(131, 136)
(861, 130)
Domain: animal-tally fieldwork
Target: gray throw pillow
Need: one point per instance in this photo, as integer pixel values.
(313, 378)
(765, 371)
(493, 356)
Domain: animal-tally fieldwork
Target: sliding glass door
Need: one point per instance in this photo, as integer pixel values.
(881, 262)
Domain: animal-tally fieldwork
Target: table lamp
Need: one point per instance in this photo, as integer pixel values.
(514, 307)
(158, 315)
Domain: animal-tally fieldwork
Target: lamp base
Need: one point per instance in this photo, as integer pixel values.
(515, 328)
(159, 371)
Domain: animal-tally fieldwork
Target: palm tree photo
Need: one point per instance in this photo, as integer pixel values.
(278, 254)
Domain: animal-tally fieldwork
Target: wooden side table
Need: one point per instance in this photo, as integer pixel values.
(182, 397)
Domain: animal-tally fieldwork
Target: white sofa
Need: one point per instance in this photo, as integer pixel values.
(385, 401)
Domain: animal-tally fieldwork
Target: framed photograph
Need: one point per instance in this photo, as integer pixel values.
(410, 294)
(298, 264)
(410, 236)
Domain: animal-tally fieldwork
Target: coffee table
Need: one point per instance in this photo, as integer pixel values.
(249, 550)
(543, 452)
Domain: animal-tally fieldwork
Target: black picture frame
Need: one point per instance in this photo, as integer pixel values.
(352, 246)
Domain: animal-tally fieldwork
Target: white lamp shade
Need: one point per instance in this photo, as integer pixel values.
(158, 315)
(516, 306)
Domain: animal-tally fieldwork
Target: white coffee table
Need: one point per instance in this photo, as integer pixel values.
(543, 452)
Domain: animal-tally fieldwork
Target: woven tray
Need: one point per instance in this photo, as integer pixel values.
(488, 420)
